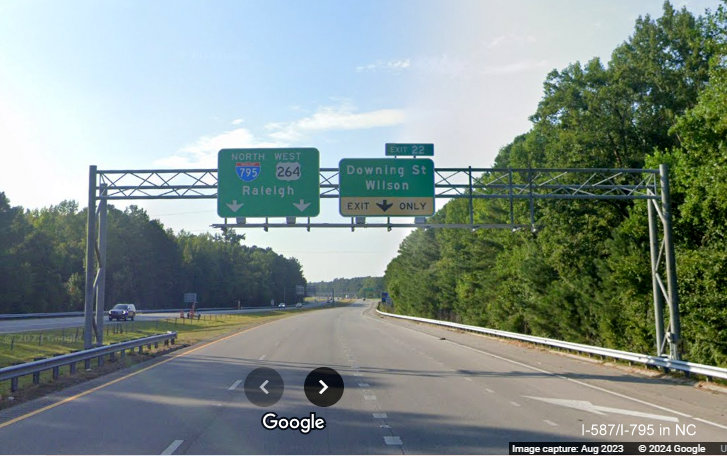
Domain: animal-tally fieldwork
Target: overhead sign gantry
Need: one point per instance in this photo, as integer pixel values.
(248, 183)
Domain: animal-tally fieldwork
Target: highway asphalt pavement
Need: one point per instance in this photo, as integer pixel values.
(408, 388)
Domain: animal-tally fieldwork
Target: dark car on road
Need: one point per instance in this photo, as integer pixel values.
(122, 312)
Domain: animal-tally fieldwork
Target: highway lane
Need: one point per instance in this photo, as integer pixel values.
(44, 324)
(409, 389)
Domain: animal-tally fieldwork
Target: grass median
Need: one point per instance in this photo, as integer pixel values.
(28, 346)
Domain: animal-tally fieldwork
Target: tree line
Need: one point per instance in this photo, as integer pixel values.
(42, 254)
(362, 287)
(585, 275)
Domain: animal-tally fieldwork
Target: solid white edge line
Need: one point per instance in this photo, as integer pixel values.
(597, 388)
(710, 422)
(172, 447)
(235, 385)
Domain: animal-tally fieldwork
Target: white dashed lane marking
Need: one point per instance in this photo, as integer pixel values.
(550, 423)
(380, 416)
(392, 440)
(235, 385)
(172, 447)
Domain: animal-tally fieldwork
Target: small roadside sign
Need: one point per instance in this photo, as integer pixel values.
(395, 149)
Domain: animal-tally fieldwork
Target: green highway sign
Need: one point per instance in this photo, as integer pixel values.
(268, 182)
(386, 187)
(426, 150)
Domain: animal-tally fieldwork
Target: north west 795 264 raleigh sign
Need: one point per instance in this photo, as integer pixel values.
(268, 182)
(386, 187)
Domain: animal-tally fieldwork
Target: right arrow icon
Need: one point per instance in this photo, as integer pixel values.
(323, 387)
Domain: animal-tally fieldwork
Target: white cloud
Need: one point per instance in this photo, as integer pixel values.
(238, 121)
(461, 68)
(444, 65)
(516, 67)
(390, 65)
(496, 42)
(330, 118)
(203, 152)
(510, 39)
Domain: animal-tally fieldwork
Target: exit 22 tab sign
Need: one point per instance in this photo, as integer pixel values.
(268, 182)
(386, 187)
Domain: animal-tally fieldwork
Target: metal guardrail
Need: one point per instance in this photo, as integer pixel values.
(40, 315)
(13, 373)
(80, 314)
(654, 361)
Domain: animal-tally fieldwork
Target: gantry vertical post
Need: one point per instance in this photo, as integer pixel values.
(531, 199)
(471, 201)
(509, 192)
(101, 280)
(674, 335)
(655, 289)
(90, 260)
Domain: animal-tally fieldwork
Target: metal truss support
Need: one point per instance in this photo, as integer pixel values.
(95, 288)
(518, 187)
(101, 273)
(663, 260)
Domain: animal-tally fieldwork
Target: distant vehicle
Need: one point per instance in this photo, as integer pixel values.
(122, 312)
(281, 305)
(299, 305)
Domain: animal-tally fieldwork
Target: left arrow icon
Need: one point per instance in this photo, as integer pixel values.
(235, 206)
(264, 387)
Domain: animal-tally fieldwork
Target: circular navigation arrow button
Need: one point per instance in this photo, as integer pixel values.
(323, 387)
(264, 387)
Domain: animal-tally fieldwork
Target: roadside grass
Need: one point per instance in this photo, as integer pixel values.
(28, 346)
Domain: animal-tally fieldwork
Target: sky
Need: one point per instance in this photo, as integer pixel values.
(167, 84)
